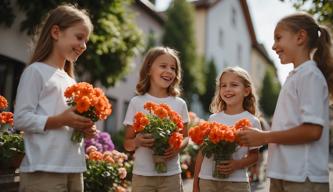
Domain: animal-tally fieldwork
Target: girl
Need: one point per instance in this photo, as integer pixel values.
(234, 100)
(298, 140)
(160, 76)
(52, 161)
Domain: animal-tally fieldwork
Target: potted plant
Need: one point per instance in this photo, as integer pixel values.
(11, 143)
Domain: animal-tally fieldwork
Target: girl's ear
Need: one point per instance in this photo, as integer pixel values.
(247, 91)
(55, 32)
(301, 37)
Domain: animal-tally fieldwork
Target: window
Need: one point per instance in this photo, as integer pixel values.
(220, 38)
(111, 122)
(233, 17)
(239, 55)
(10, 73)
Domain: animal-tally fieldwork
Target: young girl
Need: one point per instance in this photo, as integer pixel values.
(298, 140)
(52, 161)
(159, 81)
(234, 100)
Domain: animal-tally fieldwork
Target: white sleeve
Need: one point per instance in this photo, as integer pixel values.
(313, 96)
(129, 117)
(27, 99)
(184, 114)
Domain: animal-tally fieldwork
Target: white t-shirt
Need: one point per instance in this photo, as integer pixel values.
(208, 164)
(143, 156)
(303, 99)
(40, 94)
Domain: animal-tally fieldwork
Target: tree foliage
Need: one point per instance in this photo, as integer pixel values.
(179, 34)
(210, 73)
(269, 93)
(321, 9)
(114, 42)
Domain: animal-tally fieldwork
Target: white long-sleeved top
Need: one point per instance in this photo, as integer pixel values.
(40, 94)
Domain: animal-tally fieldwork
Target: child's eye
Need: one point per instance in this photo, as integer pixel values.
(173, 68)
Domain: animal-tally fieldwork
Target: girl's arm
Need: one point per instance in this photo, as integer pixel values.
(170, 153)
(197, 168)
(68, 118)
(132, 140)
(304, 133)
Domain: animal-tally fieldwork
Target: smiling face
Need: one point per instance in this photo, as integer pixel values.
(285, 44)
(70, 43)
(162, 72)
(233, 90)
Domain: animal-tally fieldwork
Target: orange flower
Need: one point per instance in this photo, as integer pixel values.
(7, 118)
(161, 112)
(242, 123)
(95, 155)
(150, 106)
(175, 140)
(83, 104)
(3, 102)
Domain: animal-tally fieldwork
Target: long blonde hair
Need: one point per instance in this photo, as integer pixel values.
(143, 84)
(249, 102)
(63, 16)
(319, 39)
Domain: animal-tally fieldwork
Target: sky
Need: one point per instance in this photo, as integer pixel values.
(265, 14)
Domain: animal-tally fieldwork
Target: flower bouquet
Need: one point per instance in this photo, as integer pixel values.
(106, 170)
(218, 140)
(164, 125)
(11, 143)
(89, 102)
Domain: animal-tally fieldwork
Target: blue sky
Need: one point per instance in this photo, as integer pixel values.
(264, 14)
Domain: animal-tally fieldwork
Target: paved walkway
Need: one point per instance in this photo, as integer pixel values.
(262, 186)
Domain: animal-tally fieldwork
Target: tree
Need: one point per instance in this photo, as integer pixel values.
(112, 45)
(210, 73)
(179, 34)
(321, 9)
(269, 93)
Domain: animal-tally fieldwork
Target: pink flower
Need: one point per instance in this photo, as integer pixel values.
(122, 172)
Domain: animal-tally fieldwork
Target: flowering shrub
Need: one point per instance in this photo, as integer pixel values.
(189, 154)
(102, 141)
(106, 171)
(11, 143)
(217, 139)
(164, 125)
(89, 102)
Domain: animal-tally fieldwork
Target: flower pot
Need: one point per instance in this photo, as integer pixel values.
(219, 158)
(11, 164)
(160, 164)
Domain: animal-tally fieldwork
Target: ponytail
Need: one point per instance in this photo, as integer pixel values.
(323, 56)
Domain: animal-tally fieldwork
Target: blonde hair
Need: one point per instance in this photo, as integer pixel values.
(63, 16)
(143, 84)
(319, 39)
(249, 102)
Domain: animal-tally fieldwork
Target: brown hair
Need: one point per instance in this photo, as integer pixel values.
(249, 102)
(143, 84)
(63, 16)
(319, 39)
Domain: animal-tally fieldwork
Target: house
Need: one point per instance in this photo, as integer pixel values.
(225, 34)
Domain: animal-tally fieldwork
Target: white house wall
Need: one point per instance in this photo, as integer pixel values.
(14, 43)
(124, 90)
(220, 18)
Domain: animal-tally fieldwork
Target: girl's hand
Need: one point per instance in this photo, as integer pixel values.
(228, 167)
(71, 119)
(144, 140)
(171, 153)
(251, 137)
(90, 133)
